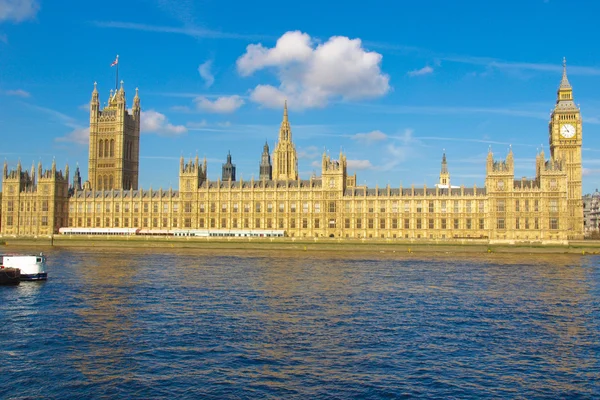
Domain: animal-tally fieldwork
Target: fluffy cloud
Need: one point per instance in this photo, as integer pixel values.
(77, 135)
(223, 105)
(17, 93)
(373, 136)
(311, 75)
(18, 10)
(423, 71)
(359, 164)
(155, 122)
(204, 71)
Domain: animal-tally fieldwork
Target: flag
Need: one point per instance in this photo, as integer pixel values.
(115, 62)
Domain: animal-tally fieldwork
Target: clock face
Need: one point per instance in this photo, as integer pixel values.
(567, 131)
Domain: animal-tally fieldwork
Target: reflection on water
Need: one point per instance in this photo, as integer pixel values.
(294, 325)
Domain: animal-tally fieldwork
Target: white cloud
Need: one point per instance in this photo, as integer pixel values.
(589, 171)
(77, 135)
(423, 71)
(84, 107)
(18, 10)
(204, 71)
(359, 164)
(400, 153)
(310, 153)
(373, 136)
(200, 124)
(224, 104)
(155, 122)
(17, 93)
(311, 74)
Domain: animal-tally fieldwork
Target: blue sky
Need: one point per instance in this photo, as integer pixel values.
(391, 83)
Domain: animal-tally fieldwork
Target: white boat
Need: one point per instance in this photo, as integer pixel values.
(33, 267)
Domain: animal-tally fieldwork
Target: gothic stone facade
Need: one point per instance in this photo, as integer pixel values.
(547, 207)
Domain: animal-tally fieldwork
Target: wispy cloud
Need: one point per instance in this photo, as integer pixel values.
(3, 38)
(359, 164)
(451, 139)
(308, 153)
(18, 10)
(191, 31)
(442, 110)
(17, 93)
(370, 137)
(426, 70)
(222, 105)
(206, 74)
(489, 62)
(79, 136)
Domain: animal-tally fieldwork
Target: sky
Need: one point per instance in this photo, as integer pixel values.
(392, 84)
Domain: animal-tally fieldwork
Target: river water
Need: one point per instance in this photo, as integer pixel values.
(195, 324)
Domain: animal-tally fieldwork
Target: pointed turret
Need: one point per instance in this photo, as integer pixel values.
(564, 82)
(489, 162)
(444, 174)
(136, 104)
(5, 171)
(40, 169)
(228, 169)
(564, 95)
(265, 168)
(77, 179)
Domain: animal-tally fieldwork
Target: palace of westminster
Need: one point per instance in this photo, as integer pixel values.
(544, 208)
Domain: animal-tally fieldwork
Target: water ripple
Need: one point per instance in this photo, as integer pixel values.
(193, 324)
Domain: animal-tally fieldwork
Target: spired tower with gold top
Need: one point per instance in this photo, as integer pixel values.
(285, 161)
(565, 134)
(114, 157)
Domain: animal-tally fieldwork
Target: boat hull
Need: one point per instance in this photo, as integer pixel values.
(34, 277)
(10, 276)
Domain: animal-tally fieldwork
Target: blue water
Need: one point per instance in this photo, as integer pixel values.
(192, 324)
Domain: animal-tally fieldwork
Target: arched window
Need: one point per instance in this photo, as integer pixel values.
(100, 148)
(110, 180)
(99, 184)
(106, 148)
(112, 147)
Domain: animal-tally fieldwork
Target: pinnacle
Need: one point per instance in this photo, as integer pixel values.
(564, 83)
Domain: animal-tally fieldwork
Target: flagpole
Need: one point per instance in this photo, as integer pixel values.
(117, 77)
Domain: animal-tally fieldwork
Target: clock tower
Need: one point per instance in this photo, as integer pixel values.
(565, 146)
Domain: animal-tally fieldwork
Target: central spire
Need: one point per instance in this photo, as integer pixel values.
(285, 162)
(285, 132)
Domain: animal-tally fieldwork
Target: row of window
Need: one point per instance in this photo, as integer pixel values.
(526, 223)
(349, 223)
(269, 207)
(527, 205)
(357, 223)
(27, 205)
(27, 221)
